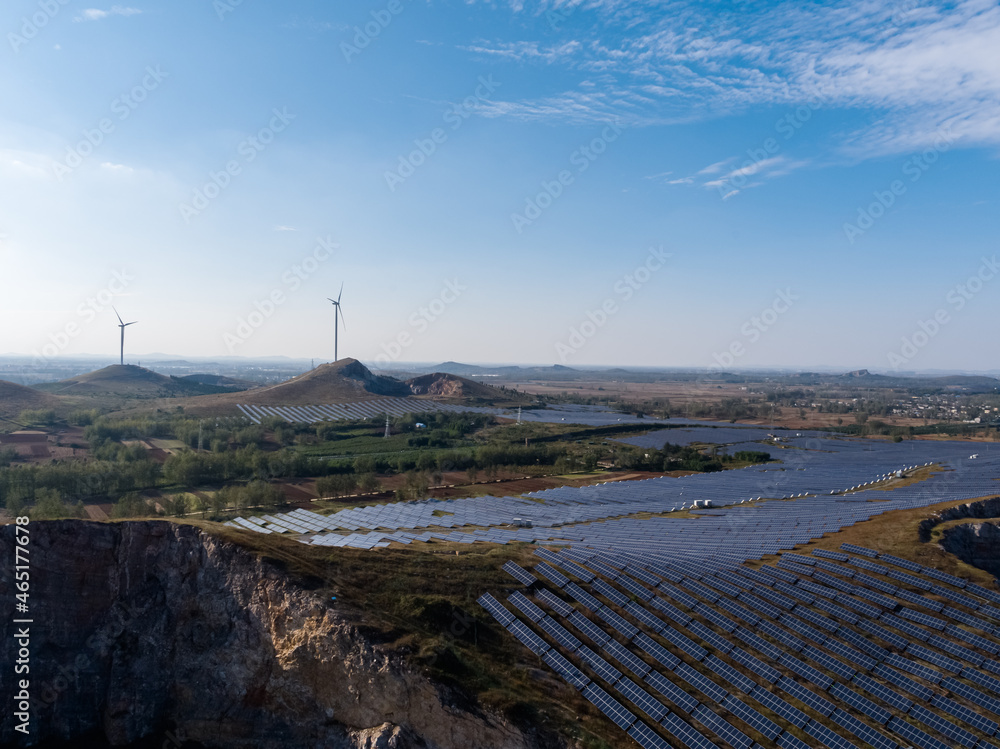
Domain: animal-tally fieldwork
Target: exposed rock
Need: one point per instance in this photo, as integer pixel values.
(977, 544)
(143, 624)
(987, 508)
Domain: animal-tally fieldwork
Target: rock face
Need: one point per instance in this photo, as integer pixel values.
(977, 544)
(144, 625)
(987, 508)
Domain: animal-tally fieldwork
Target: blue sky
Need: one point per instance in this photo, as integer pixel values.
(601, 182)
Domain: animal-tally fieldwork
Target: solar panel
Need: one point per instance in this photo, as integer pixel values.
(583, 597)
(707, 635)
(919, 600)
(557, 578)
(555, 602)
(806, 696)
(830, 555)
(760, 605)
(786, 577)
(922, 618)
(558, 633)
(795, 592)
(805, 671)
(981, 643)
(914, 668)
(776, 598)
(646, 737)
(862, 730)
(643, 575)
(671, 691)
(641, 698)
(829, 662)
(722, 728)
(618, 623)
(659, 653)
(685, 733)
(752, 718)
(754, 665)
(860, 703)
(974, 719)
(601, 667)
(609, 592)
(525, 606)
(720, 585)
(627, 658)
(859, 606)
(915, 735)
(497, 609)
(684, 643)
(740, 612)
(785, 638)
(818, 619)
(944, 727)
(788, 741)
(882, 633)
(796, 625)
(670, 610)
(822, 733)
(701, 682)
(943, 577)
(972, 694)
(702, 590)
(639, 591)
(904, 682)
(730, 674)
(723, 622)
(779, 707)
(916, 582)
(982, 679)
(558, 663)
(817, 588)
(941, 661)
(837, 611)
(610, 706)
(862, 643)
(519, 573)
(889, 696)
(653, 622)
(588, 628)
(906, 564)
(529, 639)
(758, 643)
(859, 550)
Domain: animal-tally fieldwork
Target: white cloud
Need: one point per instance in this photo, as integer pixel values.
(96, 14)
(280, 227)
(918, 70)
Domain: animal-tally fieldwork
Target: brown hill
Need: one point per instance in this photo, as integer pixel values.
(16, 398)
(337, 382)
(444, 385)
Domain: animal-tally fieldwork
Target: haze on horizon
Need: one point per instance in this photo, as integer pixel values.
(608, 182)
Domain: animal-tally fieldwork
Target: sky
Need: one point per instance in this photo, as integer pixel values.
(606, 182)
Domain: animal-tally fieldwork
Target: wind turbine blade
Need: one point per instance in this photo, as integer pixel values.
(341, 292)
(341, 313)
(118, 316)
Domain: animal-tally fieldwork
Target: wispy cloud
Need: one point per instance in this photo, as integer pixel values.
(96, 14)
(280, 227)
(918, 70)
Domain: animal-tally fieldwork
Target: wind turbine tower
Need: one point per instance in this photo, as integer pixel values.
(387, 426)
(122, 324)
(337, 315)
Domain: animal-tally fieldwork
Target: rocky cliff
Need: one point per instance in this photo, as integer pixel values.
(147, 629)
(977, 544)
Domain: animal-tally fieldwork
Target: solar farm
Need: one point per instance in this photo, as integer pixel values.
(661, 624)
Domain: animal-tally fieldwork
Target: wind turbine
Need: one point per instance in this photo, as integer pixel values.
(337, 315)
(122, 324)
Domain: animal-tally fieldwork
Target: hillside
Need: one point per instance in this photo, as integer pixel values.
(16, 398)
(130, 381)
(444, 385)
(344, 381)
